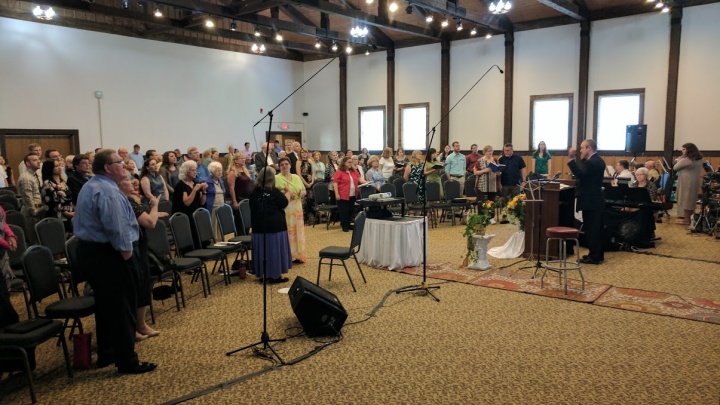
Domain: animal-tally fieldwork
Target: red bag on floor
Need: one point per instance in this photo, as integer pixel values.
(239, 265)
(81, 351)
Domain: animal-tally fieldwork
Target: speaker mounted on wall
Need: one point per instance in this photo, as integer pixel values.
(319, 311)
(635, 138)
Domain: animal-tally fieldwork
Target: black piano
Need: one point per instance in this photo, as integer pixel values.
(629, 219)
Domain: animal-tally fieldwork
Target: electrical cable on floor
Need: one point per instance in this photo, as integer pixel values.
(674, 257)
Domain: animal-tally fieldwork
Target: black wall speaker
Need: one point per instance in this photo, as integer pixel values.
(635, 137)
(319, 311)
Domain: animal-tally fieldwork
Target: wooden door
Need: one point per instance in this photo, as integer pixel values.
(14, 142)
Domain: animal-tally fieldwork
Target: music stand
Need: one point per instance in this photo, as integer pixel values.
(539, 204)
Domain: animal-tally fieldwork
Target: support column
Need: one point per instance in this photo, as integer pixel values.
(444, 92)
(390, 109)
(583, 82)
(673, 68)
(343, 104)
(509, 72)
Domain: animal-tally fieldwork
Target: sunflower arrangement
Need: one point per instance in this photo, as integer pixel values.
(515, 211)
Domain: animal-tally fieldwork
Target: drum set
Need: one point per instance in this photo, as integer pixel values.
(708, 221)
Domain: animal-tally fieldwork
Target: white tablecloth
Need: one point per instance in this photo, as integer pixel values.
(392, 244)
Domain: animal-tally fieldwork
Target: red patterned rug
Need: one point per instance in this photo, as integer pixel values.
(651, 302)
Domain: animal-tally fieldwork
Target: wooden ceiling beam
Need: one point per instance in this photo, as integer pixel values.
(368, 19)
(493, 22)
(568, 8)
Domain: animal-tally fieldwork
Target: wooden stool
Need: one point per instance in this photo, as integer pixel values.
(561, 266)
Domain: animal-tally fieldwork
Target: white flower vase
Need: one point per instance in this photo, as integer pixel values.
(480, 242)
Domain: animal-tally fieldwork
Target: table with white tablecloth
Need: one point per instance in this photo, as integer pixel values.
(393, 243)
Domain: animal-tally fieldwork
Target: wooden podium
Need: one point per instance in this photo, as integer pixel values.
(558, 206)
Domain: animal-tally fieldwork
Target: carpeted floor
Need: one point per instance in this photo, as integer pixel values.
(477, 345)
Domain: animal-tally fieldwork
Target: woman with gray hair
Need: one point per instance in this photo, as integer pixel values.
(270, 241)
(215, 194)
(189, 195)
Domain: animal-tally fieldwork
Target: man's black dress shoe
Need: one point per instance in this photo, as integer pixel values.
(587, 260)
(139, 368)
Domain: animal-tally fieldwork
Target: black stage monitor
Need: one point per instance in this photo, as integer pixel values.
(319, 311)
(635, 137)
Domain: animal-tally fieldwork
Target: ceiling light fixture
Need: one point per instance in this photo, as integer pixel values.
(209, 23)
(445, 23)
(488, 35)
(429, 18)
(666, 9)
(317, 44)
(258, 49)
(47, 14)
(125, 4)
(233, 26)
(459, 26)
(473, 31)
(367, 52)
(278, 37)
(358, 32)
(348, 49)
(257, 32)
(158, 12)
(501, 7)
(334, 46)
(368, 1)
(393, 7)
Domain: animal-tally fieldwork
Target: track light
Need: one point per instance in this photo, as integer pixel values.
(125, 4)
(488, 35)
(429, 18)
(473, 31)
(334, 46)
(209, 23)
(445, 23)
(278, 37)
(459, 26)
(158, 12)
(46, 14)
(348, 49)
(409, 9)
(367, 52)
(257, 32)
(393, 7)
(233, 26)
(317, 44)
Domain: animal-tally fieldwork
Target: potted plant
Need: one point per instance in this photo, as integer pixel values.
(476, 225)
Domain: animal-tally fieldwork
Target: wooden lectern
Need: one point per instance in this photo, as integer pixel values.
(558, 209)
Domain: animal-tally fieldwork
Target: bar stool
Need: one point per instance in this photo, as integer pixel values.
(561, 266)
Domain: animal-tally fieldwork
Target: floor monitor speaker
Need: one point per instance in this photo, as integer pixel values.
(319, 311)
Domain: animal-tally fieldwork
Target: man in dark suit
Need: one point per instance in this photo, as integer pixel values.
(261, 160)
(78, 176)
(588, 168)
(294, 157)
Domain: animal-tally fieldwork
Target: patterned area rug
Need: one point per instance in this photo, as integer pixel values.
(651, 302)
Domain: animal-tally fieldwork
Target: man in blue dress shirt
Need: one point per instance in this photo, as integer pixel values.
(455, 166)
(106, 228)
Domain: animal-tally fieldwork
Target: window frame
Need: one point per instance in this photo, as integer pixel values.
(400, 120)
(384, 126)
(569, 97)
(599, 93)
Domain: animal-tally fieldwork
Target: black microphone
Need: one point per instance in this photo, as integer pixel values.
(501, 71)
(557, 175)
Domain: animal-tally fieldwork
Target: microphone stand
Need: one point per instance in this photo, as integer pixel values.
(264, 335)
(428, 139)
